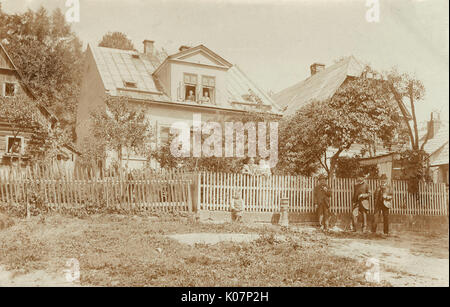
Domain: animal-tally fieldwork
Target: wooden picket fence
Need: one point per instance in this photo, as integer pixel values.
(175, 190)
(58, 187)
(263, 194)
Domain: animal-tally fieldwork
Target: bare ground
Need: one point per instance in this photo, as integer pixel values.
(406, 258)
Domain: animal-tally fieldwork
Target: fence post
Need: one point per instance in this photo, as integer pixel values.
(194, 204)
(284, 212)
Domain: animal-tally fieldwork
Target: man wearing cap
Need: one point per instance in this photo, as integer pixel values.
(321, 199)
(360, 202)
(383, 202)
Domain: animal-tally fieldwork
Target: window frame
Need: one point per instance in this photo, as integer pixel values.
(211, 88)
(191, 84)
(4, 89)
(22, 143)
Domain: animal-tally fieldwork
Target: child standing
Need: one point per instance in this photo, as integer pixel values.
(237, 206)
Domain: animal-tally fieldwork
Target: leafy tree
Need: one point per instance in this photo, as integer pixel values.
(25, 120)
(117, 40)
(360, 112)
(166, 159)
(49, 57)
(406, 87)
(347, 167)
(120, 128)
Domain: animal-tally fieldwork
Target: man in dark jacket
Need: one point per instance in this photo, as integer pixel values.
(360, 202)
(321, 199)
(383, 202)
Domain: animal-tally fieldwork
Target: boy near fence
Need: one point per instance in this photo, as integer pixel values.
(360, 202)
(383, 202)
(321, 198)
(237, 206)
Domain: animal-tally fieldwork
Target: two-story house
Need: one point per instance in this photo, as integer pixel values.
(13, 142)
(194, 80)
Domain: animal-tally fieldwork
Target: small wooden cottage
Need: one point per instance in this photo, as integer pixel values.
(13, 143)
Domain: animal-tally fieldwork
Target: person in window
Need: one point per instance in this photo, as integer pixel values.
(205, 98)
(191, 96)
(15, 146)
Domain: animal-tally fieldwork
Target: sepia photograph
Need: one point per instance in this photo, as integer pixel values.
(223, 151)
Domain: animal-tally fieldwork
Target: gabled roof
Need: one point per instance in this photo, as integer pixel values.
(440, 157)
(435, 146)
(320, 86)
(185, 53)
(117, 66)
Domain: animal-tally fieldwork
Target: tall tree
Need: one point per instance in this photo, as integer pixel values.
(49, 57)
(360, 112)
(406, 87)
(117, 40)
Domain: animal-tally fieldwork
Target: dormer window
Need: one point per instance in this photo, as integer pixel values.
(208, 89)
(190, 87)
(129, 84)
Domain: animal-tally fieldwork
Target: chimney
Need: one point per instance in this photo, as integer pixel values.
(148, 46)
(183, 47)
(433, 125)
(316, 67)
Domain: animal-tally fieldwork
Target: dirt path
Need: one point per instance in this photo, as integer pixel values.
(405, 259)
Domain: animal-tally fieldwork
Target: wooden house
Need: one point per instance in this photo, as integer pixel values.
(13, 144)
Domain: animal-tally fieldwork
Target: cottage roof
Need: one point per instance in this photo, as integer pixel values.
(440, 157)
(44, 111)
(320, 86)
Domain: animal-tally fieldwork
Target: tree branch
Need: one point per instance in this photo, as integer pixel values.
(399, 101)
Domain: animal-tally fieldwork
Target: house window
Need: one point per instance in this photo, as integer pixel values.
(9, 89)
(190, 87)
(14, 145)
(164, 135)
(130, 84)
(208, 86)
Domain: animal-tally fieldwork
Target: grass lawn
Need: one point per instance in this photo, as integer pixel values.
(116, 250)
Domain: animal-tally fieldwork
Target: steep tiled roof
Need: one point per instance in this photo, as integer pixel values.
(440, 157)
(320, 86)
(437, 147)
(118, 66)
(239, 85)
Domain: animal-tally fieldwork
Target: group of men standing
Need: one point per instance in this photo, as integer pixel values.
(360, 203)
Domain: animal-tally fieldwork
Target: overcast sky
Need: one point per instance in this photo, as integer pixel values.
(275, 41)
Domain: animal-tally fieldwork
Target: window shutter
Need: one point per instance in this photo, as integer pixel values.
(16, 87)
(4, 89)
